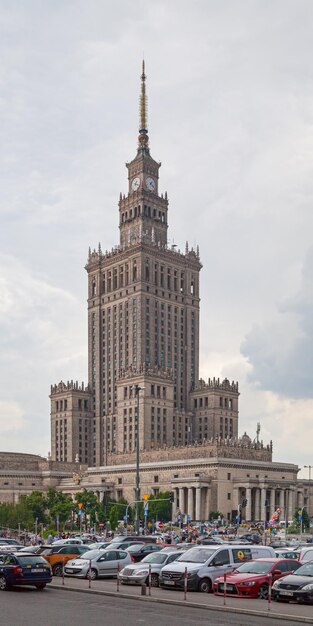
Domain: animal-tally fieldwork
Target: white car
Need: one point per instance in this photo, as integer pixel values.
(138, 573)
(97, 563)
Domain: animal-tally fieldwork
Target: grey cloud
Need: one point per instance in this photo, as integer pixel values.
(281, 353)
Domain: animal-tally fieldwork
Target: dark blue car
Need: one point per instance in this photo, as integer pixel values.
(23, 569)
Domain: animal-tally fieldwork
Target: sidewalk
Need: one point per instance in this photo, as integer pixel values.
(108, 587)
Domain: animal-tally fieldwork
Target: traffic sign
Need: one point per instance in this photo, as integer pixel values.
(160, 524)
(80, 505)
(146, 496)
(79, 512)
(101, 524)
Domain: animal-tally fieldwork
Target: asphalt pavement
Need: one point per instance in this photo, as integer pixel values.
(58, 607)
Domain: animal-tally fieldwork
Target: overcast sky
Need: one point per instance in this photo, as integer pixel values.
(230, 93)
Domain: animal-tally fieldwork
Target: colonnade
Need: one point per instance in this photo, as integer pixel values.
(263, 501)
(192, 500)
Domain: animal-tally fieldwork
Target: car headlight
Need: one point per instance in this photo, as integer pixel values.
(142, 572)
(308, 587)
(275, 585)
(249, 583)
(190, 574)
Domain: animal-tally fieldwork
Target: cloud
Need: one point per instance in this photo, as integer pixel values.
(12, 418)
(41, 341)
(281, 352)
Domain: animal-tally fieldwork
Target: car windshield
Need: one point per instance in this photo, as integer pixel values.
(91, 554)
(305, 570)
(136, 547)
(31, 560)
(255, 567)
(48, 551)
(155, 558)
(196, 555)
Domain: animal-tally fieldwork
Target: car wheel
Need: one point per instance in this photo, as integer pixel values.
(40, 586)
(3, 583)
(154, 580)
(92, 574)
(263, 592)
(58, 570)
(205, 585)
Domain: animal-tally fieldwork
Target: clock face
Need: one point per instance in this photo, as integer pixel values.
(150, 183)
(136, 183)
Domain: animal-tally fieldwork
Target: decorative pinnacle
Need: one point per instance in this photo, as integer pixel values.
(143, 118)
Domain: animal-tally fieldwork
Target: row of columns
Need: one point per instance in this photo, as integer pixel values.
(263, 501)
(192, 501)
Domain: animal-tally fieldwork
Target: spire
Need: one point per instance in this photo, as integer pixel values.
(143, 101)
(143, 139)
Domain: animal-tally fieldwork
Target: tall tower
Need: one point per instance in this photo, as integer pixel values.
(143, 319)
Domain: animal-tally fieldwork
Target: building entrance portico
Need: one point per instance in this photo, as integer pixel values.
(263, 498)
(192, 498)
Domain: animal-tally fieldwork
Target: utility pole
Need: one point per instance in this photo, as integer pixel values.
(136, 389)
(309, 467)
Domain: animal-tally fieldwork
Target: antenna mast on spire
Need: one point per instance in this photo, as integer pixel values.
(143, 101)
(143, 115)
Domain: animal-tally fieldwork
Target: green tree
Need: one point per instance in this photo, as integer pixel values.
(60, 506)
(159, 507)
(11, 515)
(90, 504)
(37, 505)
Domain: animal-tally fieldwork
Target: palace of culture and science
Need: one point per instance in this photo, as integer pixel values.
(143, 329)
(143, 359)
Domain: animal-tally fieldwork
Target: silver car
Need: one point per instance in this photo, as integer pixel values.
(97, 563)
(138, 573)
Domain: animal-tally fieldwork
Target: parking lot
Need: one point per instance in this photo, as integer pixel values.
(253, 606)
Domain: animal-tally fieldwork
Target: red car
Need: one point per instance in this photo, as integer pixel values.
(251, 579)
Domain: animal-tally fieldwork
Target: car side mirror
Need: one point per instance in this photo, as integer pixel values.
(277, 572)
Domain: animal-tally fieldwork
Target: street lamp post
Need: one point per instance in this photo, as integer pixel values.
(136, 389)
(309, 467)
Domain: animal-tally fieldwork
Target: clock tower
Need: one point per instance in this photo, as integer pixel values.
(143, 212)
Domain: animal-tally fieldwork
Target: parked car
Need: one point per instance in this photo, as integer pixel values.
(285, 553)
(10, 542)
(139, 551)
(138, 573)
(122, 545)
(70, 541)
(23, 569)
(206, 563)
(97, 563)
(251, 537)
(305, 554)
(251, 580)
(208, 541)
(297, 586)
(139, 538)
(58, 555)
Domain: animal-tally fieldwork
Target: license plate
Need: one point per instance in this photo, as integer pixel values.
(286, 593)
(169, 582)
(229, 588)
(68, 570)
(38, 571)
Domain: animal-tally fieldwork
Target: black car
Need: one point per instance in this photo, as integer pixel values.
(138, 552)
(297, 586)
(23, 569)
